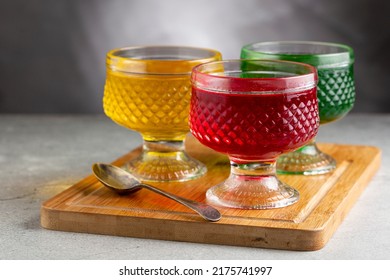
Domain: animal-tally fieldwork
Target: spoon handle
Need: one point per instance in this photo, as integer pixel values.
(206, 211)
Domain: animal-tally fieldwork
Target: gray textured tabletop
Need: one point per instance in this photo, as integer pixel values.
(41, 155)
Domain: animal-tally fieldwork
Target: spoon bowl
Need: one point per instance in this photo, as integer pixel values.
(123, 182)
(116, 179)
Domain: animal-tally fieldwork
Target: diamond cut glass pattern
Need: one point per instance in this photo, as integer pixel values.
(148, 90)
(335, 90)
(254, 127)
(258, 111)
(153, 107)
(336, 93)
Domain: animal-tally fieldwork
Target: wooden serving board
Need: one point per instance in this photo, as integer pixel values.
(307, 225)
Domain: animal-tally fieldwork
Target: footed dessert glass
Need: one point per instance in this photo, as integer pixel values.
(335, 90)
(148, 90)
(253, 111)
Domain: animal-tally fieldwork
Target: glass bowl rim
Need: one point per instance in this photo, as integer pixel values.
(319, 60)
(229, 84)
(144, 66)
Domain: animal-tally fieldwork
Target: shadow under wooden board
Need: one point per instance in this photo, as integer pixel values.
(324, 201)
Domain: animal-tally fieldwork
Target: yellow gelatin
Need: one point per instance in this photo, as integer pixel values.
(155, 105)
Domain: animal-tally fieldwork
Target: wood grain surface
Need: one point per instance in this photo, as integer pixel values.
(324, 201)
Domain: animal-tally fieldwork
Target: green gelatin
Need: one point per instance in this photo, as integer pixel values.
(334, 63)
(335, 93)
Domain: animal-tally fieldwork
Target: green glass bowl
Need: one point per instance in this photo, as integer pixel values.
(335, 93)
(334, 63)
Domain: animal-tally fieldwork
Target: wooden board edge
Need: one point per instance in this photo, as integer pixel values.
(194, 232)
(328, 229)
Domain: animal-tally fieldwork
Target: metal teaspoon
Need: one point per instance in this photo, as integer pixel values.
(123, 182)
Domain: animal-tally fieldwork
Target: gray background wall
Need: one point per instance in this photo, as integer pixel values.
(52, 53)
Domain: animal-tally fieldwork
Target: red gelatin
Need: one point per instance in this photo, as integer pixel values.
(253, 111)
(253, 127)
